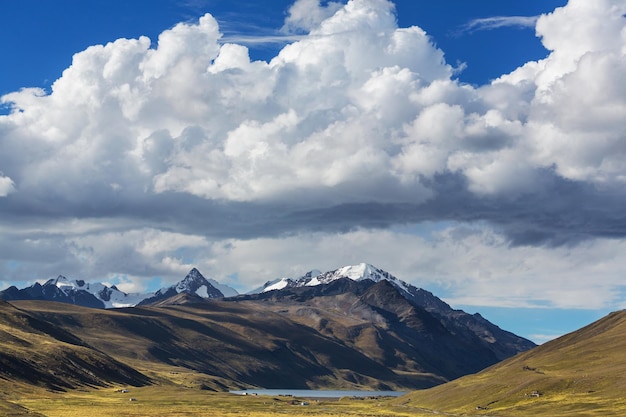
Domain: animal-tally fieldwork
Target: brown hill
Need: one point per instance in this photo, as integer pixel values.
(37, 352)
(376, 320)
(345, 334)
(229, 345)
(582, 373)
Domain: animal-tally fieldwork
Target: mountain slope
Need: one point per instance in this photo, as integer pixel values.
(378, 320)
(465, 326)
(35, 351)
(582, 373)
(226, 345)
(354, 327)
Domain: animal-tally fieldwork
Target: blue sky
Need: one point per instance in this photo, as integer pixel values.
(472, 148)
(39, 38)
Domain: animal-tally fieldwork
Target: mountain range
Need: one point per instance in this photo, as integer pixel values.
(98, 295)
(354, 327)
(187, 342)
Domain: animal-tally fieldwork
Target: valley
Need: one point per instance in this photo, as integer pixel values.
(180, 355)
(179, 402)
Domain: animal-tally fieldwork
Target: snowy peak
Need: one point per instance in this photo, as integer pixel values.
(365, 271)
(192, 282)
(88, 294)
(358, 272)
(98, 295)
(281, 283)
(62, 282)
(196, 283)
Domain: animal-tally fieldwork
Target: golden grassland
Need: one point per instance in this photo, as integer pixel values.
(178, 402)
(580, 374)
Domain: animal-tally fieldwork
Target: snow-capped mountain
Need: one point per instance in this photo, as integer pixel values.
(281, 283)
(196, 283)
(99, 295)
(111, 297)
(383, 290)
(459, 323)
(358, 272)
(77, 292)
(193, 283)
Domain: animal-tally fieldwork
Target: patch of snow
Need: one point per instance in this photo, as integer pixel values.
(313, 282)
(122, 300)
(116, 298)
(202, 291)
(224, 289)
(279, 285)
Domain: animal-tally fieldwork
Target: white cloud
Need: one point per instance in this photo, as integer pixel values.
(356, 124)
(306, 15)
(7, 186)
(359, 99)
(476, 265)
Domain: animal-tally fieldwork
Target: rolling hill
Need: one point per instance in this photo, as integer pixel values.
(36, 352)
(582, 373)
(228, 345)
(357, 334)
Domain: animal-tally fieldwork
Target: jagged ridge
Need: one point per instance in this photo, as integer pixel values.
(98, 295)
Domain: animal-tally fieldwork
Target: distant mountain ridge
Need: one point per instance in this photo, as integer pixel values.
(315, 277)
(78, 292)
(470, 328)
(354, 326)
(467, 327)
(98, 295)
(456, 321)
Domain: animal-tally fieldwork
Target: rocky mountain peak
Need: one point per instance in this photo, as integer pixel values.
(192, 281)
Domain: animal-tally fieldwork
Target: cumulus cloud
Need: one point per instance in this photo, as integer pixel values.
(358, 124)
(306, 15)
(7, 186)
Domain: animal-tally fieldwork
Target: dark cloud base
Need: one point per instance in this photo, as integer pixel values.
(558, 212)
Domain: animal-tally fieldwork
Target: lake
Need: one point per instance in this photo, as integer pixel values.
(306, 393)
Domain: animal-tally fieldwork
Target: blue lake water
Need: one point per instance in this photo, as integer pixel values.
(318, 393)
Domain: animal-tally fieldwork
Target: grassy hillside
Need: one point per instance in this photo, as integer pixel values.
(62, 360)
(36, 352)
(582, 373)
(226, 345)
(157, 401)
